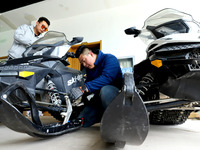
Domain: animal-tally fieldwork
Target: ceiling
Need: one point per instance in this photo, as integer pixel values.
(10, 5)
(18, 12)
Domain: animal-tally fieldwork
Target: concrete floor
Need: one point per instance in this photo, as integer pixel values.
(181, 137)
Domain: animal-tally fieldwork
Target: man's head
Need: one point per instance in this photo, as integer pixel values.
(42, 25)
(86, 57)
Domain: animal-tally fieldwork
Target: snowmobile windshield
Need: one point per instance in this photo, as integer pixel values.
(51, 37)
(167, 22)
(52, 44)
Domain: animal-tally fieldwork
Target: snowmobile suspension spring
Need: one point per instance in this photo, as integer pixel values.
(55, 97)
(145, 83)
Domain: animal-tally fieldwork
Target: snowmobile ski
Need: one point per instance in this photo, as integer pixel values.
(15, 120)
(126, 118)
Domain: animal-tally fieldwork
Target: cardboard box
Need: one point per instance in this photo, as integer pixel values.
(194, 115)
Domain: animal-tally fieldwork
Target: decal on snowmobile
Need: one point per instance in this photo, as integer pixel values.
(14, 67)
(75, 79)
(25, 74)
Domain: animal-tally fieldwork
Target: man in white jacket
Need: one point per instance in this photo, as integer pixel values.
(26, 35)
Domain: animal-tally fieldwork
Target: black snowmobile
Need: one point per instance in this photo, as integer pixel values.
(40, 81)
(164, 88)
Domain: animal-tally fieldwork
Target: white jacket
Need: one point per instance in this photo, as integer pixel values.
(24, 37)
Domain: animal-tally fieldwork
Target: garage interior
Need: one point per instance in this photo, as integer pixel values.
(102, 24)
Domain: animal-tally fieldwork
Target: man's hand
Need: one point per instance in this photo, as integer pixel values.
(77, 92)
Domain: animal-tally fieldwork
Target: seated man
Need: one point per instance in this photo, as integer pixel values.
(104, 80)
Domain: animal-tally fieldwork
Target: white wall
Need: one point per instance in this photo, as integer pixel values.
(108, 25)
(6, 40)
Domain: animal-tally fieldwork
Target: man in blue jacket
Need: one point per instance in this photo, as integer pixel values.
(104, 80)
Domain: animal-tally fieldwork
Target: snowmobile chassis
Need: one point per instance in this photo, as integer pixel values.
(15, 120)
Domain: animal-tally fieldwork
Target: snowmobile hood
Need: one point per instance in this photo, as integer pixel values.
(174, 39)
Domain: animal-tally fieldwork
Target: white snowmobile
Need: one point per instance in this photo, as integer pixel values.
(164, 88)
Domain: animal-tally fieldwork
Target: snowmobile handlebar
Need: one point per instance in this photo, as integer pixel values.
(68, 54)
(75, 40)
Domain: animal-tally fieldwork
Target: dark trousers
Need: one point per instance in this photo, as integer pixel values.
(94, 109)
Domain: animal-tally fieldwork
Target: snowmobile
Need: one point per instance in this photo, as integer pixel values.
(164, 88)
(39, 82)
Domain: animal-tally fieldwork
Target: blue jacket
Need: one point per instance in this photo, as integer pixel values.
(107, 71)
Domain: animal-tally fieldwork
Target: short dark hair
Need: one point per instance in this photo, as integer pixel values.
(80, 50)
(44, 19)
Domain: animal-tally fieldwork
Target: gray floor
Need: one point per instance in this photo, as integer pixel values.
(181, 137)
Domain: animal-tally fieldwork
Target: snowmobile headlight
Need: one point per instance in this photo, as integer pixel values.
(157, 63)
(25, 74)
